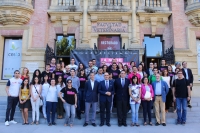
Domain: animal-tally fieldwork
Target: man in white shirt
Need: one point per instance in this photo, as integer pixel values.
(12, 90)
(72, 65)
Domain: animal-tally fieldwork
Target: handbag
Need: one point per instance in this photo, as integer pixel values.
(41, 101)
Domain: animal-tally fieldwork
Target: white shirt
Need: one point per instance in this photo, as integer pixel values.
(107, 81)
(34, 88)
(167, 80)
(73, 67)
(121, 81)
(92, 84)
(135, 91)
(186, 73)
(45, 88)
(14, 86)
(52, 94)
(59, 88)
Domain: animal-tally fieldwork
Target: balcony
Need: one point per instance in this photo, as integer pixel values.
(154, 12)
(15, 12)
(109, 6)
(193, 12)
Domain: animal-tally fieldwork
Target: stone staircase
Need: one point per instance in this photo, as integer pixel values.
(193, 115)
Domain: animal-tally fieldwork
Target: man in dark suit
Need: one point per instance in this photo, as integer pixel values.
(149, 71)
(189, 76)
(106, 90)
(121, 86)
(91, 98)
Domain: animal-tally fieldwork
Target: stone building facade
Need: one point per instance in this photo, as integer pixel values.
(38, 22)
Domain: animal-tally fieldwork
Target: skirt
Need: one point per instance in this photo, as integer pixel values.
(27, 104)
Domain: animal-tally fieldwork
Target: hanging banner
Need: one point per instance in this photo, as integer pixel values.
(12, 57)
(198, 58)
(124, 56)
(109, 43)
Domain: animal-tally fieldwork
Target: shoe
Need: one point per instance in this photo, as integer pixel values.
(101, 124)
(53, 123)
(97, 112)
(119, 125)
(178, 122)
(85, 124)
(164, 124)
(79, 117)
(6, 123)
(23, 123)
(108, 124)
(94, 125)
(189, 106)
(150, 123)
(125, 124)
(49, 124)
(137, 125)
(157, 124)
(13, 122)
(27, 123)
(183, 123)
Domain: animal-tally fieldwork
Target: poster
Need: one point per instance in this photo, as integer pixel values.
(32, 66)
(12, 57)
(83, 56)
(109, 43)
(198, 58)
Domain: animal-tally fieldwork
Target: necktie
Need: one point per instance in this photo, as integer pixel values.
(107, 85)
(123, 82)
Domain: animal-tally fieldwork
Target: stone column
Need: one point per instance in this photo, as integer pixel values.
(84, 40)
(134, 22)
(54, 2)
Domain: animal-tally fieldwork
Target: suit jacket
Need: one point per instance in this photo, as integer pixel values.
(91, 95)
(122, 93)
(164, 90)
(102, 90)
(190, 75)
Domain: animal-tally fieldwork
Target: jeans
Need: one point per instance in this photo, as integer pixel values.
(60, 107)
(35, 109)
(134, 111)
(44, 107)
(147, 105)
(51, 107)
(81, 101)
(181, 105)
(11, 105)
(70, 111)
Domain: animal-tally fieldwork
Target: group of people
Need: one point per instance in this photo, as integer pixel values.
(75, 89)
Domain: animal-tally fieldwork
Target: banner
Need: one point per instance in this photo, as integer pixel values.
(198, 58)
(126, 56)
(12, 57)
(109, 43)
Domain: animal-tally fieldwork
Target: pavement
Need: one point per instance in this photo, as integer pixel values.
(43, 128)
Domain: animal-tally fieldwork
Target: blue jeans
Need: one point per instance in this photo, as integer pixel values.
(81, 101)
(181, 105)
(134, 111)
(51, 107)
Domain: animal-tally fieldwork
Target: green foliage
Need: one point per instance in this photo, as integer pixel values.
(65, 45)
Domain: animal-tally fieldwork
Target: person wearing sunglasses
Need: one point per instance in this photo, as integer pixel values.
(69, 102)
(12, 90)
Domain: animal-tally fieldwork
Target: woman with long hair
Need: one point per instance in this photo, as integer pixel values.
(120, 66)
(45, 87)
(60, 84)
(25, 74)
(36, 89)
(62, 64)
(166, 78)
(80, 67)
(105, 68)
(51, 101)
(147, 95)
(70, 102)
(57, 72)
(141, 71)
(36, 73)
(24, 100)
(135, 99)
(126, 69)
(81, 93)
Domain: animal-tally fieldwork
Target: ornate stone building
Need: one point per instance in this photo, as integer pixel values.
(137, 23)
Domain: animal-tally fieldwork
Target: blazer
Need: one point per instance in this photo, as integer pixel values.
(122, 93)
(143, 91)
(91, 95)
(190, 75)
(164, 88)
(102, 90)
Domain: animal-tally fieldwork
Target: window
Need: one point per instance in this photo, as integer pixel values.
(154, 47)
(109, 2)
(64, 45)
(12, 57)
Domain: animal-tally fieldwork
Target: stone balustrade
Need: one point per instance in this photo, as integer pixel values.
(65, 5)
(22, 3)
(193, 12)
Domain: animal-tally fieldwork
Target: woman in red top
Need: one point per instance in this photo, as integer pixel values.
(147, 95)
(25, 74)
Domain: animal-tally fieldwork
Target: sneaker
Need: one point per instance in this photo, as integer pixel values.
(6, 123)
(13, 122)
(178, 122)
(183, 123)
(189, 106)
